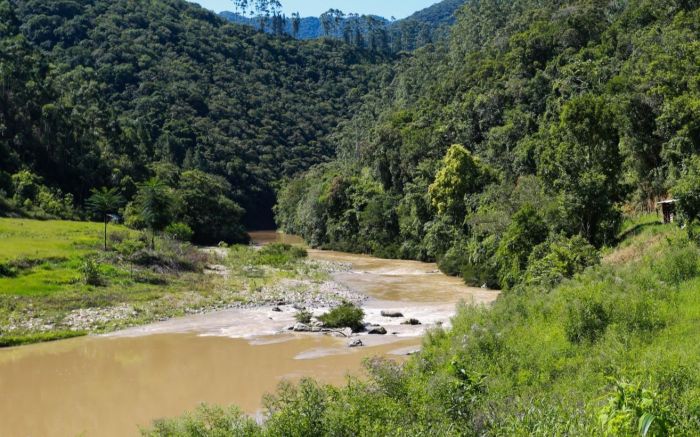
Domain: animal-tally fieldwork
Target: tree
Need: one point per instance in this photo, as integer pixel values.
(104, 202)
(461, 173)
(296, 24)
(208, 210)
(583, 165)
(687, 190)
(526, 231)
(154, 204)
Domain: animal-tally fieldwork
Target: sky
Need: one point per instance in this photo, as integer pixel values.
(314, 8)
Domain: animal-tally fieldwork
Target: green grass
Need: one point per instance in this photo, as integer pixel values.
(42, 280)
(37, 240)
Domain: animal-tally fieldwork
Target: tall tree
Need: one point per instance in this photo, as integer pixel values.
(583, 164)
(104, 202)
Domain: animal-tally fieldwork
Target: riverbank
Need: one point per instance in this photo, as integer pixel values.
(46, 294)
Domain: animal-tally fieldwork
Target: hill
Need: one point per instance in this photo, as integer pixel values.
(554, 118)
(98, 91)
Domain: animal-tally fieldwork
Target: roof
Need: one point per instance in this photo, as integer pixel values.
(667, 202)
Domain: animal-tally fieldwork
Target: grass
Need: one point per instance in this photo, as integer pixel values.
(44, 266)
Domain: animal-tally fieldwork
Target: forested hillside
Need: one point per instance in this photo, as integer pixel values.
(95, 93)
(515, 148)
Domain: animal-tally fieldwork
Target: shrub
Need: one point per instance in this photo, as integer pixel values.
(90, 271)
(7, 271)
(526, 231)
(206, 420)
(346, 315)
(303, 316)
(179, 232)
(279, 254)
(587, 321)
(635, 410)
(559, 258)
(679, 264)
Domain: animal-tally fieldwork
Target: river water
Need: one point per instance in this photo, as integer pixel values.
(109, 386)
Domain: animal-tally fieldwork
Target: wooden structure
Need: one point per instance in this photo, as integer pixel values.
(668, 209)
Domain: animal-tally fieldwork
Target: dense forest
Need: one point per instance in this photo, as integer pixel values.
(103, 93)
(376, 33)
(516, 145)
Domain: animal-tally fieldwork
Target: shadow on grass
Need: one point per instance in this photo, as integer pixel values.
(636, 230)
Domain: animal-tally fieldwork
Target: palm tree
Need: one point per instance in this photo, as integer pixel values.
(154, 203)
(104, 202)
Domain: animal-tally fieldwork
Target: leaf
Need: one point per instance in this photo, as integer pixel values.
(645, 423)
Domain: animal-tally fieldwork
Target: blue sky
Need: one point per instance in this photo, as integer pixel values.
(384, 8)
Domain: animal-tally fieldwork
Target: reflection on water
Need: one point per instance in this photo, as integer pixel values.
(105, 387)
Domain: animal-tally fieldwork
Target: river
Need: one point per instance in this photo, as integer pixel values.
(110, 385)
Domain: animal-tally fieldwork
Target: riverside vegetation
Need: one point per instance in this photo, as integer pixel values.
(610, 352)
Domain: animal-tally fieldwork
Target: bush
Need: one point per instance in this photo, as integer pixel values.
(90, 271)
(303, 316)
(206, 420)
(179, 232)
(279, 254)
(559, 258)
(679, 264)
(346, 315)
(587, 321)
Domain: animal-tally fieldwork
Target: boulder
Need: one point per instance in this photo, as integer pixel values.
(277, 309)
(393, 314)
(355, 343)
(376, 330)
(301, 327)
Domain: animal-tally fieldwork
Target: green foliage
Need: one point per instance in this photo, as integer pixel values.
(559, 258)
(206, 421)
(90, 271)
(587, 320)
(634, 410)
(104, 202)
(303, 316)
(526, 231)
(154, 206)
(687, 190)
(459, 175)
(207, 208)
(179, 231)
(279, 254)
(346, 315)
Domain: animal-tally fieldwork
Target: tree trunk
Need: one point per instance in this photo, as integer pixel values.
(105, 232)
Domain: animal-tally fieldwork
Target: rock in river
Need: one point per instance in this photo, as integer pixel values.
(300, 327)
(377, 330)
(393, 314)
(356, 343)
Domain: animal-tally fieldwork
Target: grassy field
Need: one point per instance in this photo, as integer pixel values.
(45, 293)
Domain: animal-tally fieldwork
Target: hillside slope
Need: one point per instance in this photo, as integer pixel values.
(99, 90)
(549, 116)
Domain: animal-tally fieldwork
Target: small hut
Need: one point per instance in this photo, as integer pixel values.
(668, 209)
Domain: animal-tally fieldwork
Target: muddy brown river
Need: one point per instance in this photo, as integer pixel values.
(109, 386)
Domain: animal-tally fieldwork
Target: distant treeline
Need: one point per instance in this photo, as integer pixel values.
(365, 31)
